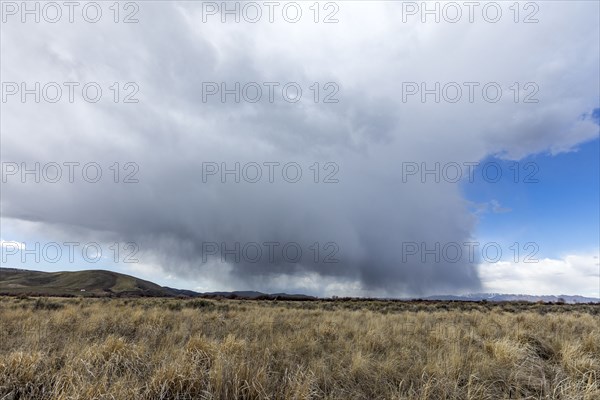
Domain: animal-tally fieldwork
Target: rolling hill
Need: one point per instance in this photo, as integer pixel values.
(80, 283)
(95, 283)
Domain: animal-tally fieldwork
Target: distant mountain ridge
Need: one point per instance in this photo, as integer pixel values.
(258, 295)
(499, 297)
(15, 281)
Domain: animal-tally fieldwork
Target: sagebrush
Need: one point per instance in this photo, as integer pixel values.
(54, 348)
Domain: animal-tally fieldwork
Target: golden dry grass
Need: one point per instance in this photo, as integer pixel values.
(228, 349)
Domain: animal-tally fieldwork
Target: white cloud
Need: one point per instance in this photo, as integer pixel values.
(570, 275)
(12, 244)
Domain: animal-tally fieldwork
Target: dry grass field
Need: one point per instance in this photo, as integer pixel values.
(156, 348)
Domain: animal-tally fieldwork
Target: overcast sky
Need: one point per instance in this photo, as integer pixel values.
(289, 155)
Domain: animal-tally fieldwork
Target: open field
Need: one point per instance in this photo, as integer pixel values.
(154, 348)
